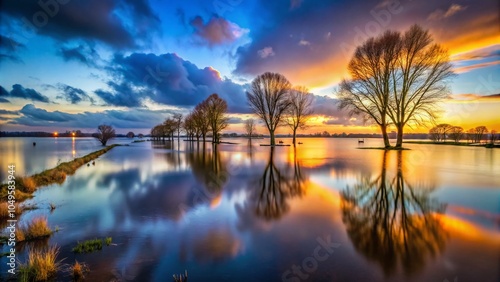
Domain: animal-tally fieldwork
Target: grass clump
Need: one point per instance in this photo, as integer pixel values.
(37, 228)
(28, 184)
(41, 265)
(181, 277)
(88, 246)
(4, 210)
(78, 271)
(108, 241)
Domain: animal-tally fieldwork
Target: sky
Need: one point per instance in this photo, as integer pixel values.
(75, 64)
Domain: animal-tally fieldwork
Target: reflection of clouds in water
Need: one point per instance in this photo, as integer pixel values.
(214, 245)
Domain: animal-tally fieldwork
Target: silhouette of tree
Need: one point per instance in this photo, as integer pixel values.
(440, 132)
(268, 99)
(209, 169)
(391, 222)
(493, 136)
(250, 127)
(456, 133)
(367, 93)
(178, 124)
(479, 133)
(104, 133)
(216, 111)
(398, 78)
(300, 109)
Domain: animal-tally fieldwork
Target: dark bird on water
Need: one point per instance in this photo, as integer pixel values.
(34, 143)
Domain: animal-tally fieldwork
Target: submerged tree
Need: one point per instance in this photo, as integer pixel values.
(216, 112)
(104, 133)
(300, 109)
(250, 127)
(268, 99)
(368, 91)
(178, 124)
(399, 78)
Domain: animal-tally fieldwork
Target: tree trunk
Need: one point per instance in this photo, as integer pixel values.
(383, 128)
(399, 141)
(273, 142)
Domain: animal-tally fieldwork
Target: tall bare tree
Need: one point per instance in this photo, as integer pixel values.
(178, 124)
(216, 111)
(397, 78)
(269, 100)
(300, 109)
(367, 92)
(250, 127)
(200, 119)
(419, 81)
(104, 133)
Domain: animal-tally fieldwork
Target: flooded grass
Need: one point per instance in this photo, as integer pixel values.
(37, 228)
(88, 246)
(41, 265)
(78, 271)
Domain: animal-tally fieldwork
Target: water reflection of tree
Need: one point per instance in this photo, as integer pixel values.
(392, 222)
(208, 168)
(276, 187)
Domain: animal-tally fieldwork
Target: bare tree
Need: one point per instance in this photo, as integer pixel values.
(493, 137)
(250, 127)
(419, 82)
(440, 132)
(178, 124)
(269, 100)
(216, 110)
(200, 119)
(456, 133)
(470, 135)
(300, 109)
(367, 93)
(104, 133)
(479, 133)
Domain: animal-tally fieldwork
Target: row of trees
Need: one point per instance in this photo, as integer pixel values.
(397, 79)
(442, 132)
(207, 118)
(276, 102)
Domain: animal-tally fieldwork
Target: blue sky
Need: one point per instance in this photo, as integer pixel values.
(71, 64)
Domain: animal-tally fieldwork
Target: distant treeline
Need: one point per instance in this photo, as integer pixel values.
(225, 135)
(51, 134)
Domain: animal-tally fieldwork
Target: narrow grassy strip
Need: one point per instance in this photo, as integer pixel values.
(25, 186)
(91, 246)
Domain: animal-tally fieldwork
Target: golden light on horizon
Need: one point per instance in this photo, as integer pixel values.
(56, 133)
(73, 134)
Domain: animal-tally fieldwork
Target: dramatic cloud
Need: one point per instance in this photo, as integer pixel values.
(137, 118)
(217, 30)
(440, 14)
(74, 95)
(83, 53)
(167, 79)
(3, 100)
(101, 20)
(19, 91)
(8, 48)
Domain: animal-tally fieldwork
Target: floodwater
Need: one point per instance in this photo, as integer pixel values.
(323, 211)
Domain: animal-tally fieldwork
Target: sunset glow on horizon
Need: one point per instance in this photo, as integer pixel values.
(133, 65)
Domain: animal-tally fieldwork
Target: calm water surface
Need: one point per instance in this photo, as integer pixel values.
(324, 211)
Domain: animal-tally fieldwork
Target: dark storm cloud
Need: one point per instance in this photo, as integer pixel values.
(18, 91)
(136, 118)
(82, 53)
(8, 48)
(2, 100)
(6, 112)
(122, 95)
(167, 79)
(74, 95)
(102, 20)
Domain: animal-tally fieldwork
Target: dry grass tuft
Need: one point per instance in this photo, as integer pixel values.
(78, 271)
(37, 228)
(42, 265)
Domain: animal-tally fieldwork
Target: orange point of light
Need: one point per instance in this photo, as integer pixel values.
(55, 133)
(73, 133)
